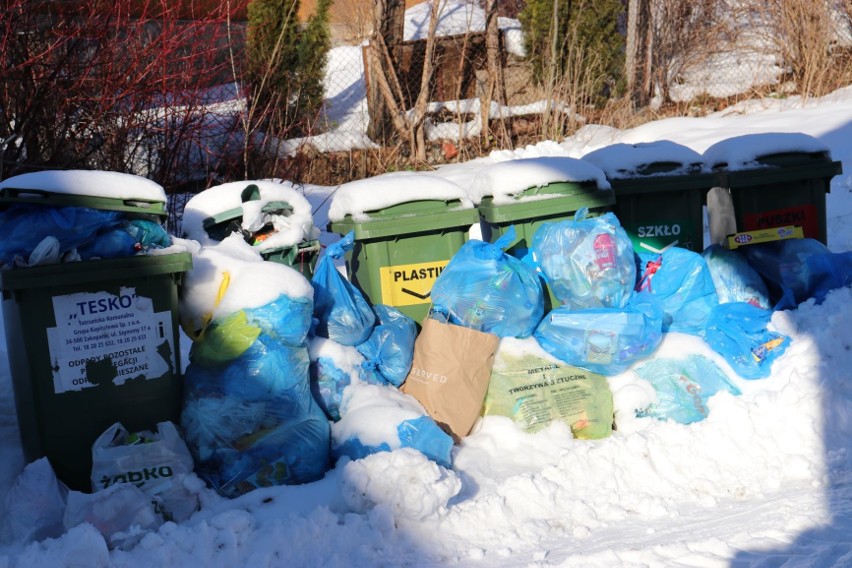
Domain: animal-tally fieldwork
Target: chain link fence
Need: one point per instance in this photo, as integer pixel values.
(707, 55)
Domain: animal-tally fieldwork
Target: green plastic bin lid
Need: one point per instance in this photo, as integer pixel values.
(562, 198)
(426, 215)
(85, 271)
(10, 195)
(113, 191)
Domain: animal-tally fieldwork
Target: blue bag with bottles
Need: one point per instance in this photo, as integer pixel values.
(342, 312)
(603, 340)
(485, 289)
(587, 262)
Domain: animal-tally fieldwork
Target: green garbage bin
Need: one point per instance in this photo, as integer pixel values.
(660, 190)
(92, 343)
(775, 180)
(529, 192)
(400, 249)
(217, 212)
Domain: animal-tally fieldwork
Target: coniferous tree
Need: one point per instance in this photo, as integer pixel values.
(286, 62)
(584, 28)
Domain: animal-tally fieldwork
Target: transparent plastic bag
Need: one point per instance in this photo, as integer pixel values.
(587, 262)
(155, 462)
(683, 387)
(603, 340)
(485, 289)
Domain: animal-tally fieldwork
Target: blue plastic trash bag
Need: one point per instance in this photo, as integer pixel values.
(149, 234)
(390, 347)
(333, 368)
(734, 279)
(286, 319)
(132, 237)
(485, 289)
(113, 243)
(796, 270)
(603, 340)
(248, 416)
(683, 387)
(25, 226)
(738, 331)
(587, 262)
(680, 279)
(380, 418)
(342, 312)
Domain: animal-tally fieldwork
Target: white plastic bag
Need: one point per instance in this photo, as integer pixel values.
(157, 463)
(34, 505)
(122, 513)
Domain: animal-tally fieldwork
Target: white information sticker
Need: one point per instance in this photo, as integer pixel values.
(102, 338)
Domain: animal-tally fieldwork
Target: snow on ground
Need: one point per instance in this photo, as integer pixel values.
(765, 480)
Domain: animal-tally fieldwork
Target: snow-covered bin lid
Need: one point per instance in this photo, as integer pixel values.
(505, 181)
(747, 151)
(663, 157)
(357, 199)
(273, 203)
(86, 188)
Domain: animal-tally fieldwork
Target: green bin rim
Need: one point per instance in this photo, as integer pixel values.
(661, 182)
(279, 206)
(545, 208)
(85, 271)
(13, 195)
(418, 216)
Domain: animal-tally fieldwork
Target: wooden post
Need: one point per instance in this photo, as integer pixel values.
(638, 63)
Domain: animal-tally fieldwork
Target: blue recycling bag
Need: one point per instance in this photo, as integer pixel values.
(342, 312)
(680, 279)
(603, 340)
(738, 331)
(683, 387)
(796, 270)
(380, 418)
(485, 289)
(587, 262)
(735, 280)
(25, 226)
(390, 347)
(248, 414)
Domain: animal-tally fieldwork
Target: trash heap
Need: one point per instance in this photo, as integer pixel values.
(291, 372)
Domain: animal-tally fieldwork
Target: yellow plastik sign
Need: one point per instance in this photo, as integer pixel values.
(409, 284)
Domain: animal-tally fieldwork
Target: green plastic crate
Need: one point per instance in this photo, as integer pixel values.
(400, 251)
(92, 343)
(658, 210)
(788, 188)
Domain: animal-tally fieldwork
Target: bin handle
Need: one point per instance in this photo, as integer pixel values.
(250, 193)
